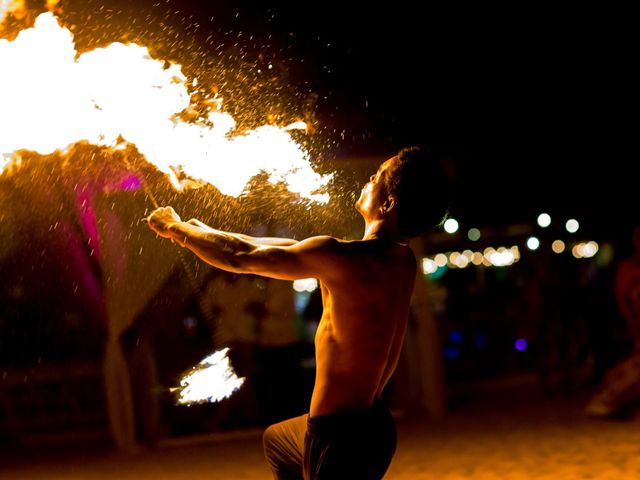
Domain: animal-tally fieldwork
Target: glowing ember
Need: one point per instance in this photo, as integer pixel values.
(211, 380)
(52, 97)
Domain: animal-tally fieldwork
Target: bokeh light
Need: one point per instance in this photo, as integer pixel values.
(544, 220)
(428, 266)
(558, 246)
(533, 243)
(305, 284)
(451, 225)
(440, 259)
(572, 225)
(473, 234)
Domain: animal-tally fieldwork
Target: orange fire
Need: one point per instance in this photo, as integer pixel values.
(52, 97)
(16, 8)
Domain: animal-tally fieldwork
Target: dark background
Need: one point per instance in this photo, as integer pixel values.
(533, 104)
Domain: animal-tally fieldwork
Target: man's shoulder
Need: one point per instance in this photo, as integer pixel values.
(321, 246)
(320, 241)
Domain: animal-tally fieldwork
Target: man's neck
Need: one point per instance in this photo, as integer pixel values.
(383, 229)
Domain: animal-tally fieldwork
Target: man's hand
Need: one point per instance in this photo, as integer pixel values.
(161, 219)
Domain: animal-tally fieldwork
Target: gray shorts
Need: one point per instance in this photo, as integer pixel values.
(354, 444)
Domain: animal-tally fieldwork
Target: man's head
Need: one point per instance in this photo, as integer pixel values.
(413, 187)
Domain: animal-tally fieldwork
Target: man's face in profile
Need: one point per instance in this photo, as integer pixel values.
(374, 193)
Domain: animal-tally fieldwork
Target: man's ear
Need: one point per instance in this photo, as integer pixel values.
(388, 205)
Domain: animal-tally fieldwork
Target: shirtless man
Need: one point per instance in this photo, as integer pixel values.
(366, 290)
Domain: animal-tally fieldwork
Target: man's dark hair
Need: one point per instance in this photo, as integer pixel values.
(420, 186)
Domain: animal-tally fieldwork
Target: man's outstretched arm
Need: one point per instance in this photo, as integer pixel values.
(290, 260)
(273, 241)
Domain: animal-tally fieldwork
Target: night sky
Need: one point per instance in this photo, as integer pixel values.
(533, 107)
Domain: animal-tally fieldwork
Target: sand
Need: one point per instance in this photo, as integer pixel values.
(503, 437)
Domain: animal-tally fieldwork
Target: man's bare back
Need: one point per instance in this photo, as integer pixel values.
(359, 338)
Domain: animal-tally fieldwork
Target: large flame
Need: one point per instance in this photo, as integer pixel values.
(211, 380)
(16, 8)
(51, 98)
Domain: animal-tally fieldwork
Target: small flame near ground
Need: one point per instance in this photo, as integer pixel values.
(212, 380)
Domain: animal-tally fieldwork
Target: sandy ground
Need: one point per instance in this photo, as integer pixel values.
(515, 437)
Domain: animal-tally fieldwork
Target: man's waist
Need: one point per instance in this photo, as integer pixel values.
(348, 418)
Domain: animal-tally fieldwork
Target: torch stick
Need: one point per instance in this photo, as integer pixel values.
(191, 276)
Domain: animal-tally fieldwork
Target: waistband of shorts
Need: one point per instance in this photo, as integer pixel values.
(347, 418)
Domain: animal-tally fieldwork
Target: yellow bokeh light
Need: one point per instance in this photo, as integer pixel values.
(440, 259)
(591, 248)
(461, 261)
(477, 258)
(428, 266)
(558, 246)
(501, 258)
